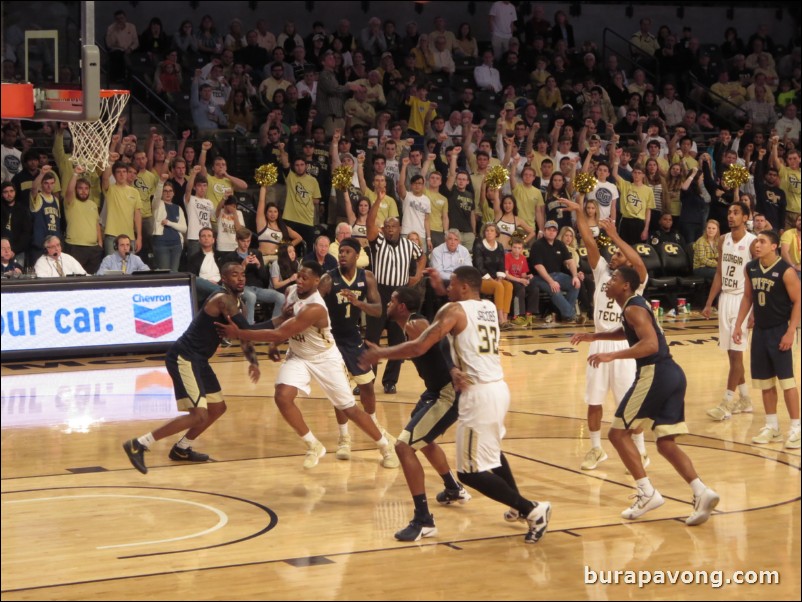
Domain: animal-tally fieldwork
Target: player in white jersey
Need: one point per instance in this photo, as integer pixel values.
(619, 375)
(312, 354)
(471, 324)
(735, 250)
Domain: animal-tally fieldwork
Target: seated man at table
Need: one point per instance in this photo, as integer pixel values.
(122, 260)
(54, 263)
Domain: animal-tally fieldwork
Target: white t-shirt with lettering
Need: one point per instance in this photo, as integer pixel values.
(415, 210)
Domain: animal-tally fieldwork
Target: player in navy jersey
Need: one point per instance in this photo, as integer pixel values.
(348, 291)
(657, 396)
(197, 390)
(434, 413)
(772, 291)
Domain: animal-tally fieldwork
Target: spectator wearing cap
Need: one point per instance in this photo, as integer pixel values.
(555, 272)
(486, 75)
(371, 38)
(331, 95)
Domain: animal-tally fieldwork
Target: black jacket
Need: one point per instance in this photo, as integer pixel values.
(195, 262)
(17, 225)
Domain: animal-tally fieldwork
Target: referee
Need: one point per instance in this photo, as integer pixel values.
(392, 259)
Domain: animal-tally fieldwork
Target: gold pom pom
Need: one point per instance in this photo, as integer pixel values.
(266, 175)
(584, 182)
(735, 176)
(496, 176)
(341, 177)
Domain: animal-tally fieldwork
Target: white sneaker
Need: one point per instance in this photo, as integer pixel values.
(389, 459)
(594, 457)
(642, 504)
(743, 405)
(343, 448)
(538, 521)
(767, 435)
(702, 507)
(793, 439)
(313, 455)
(512, 516)
(721, 412)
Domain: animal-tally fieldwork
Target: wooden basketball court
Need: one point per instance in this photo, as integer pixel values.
(78, 522)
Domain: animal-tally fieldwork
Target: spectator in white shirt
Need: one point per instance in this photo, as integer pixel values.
(54, 263)
(502, 18)
(442, 61)
(671, 106)
(486, 76)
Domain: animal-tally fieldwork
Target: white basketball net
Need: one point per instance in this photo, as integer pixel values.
(91, 139)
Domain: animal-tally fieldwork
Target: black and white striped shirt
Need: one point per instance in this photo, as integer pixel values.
(392, 263)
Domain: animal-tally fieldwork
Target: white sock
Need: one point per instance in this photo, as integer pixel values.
(343, 429)
(772, 421)
(743, 390)
(185, 443)
(382, 443)
(645, 485)
(147, 440)
(698, 487)
(640, 443)
(595, 439)
(309, 439)
(374, 419)
(794, 424)
(728, 395)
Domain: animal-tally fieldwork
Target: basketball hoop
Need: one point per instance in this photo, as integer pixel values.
(90, 139)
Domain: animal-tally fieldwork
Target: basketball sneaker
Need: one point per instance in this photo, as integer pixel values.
(512, 516)
(743, 405)
(187, 455)
(453, 496)
(343, 448)
(594, 457)
(417, 528)
(313, 454)
(389, 459)
(767, 435)
(722, 411)
(538, 521)
(793, 439)
(642, 504)
(136, 454)
(520, 322)
(702, 507)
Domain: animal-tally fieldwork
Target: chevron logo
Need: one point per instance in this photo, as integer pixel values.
(153, 322)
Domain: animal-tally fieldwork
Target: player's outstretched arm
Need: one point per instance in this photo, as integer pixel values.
(449, 317)
(307, 317)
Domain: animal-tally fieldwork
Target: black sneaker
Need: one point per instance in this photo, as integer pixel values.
(390, 389)
(187, 455)
(453, 496)
(136, 454)
(417, 529)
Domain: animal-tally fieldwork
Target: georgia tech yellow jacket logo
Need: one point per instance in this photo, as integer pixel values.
(671, 248)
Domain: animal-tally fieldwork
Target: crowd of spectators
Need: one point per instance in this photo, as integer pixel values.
(421, 117)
